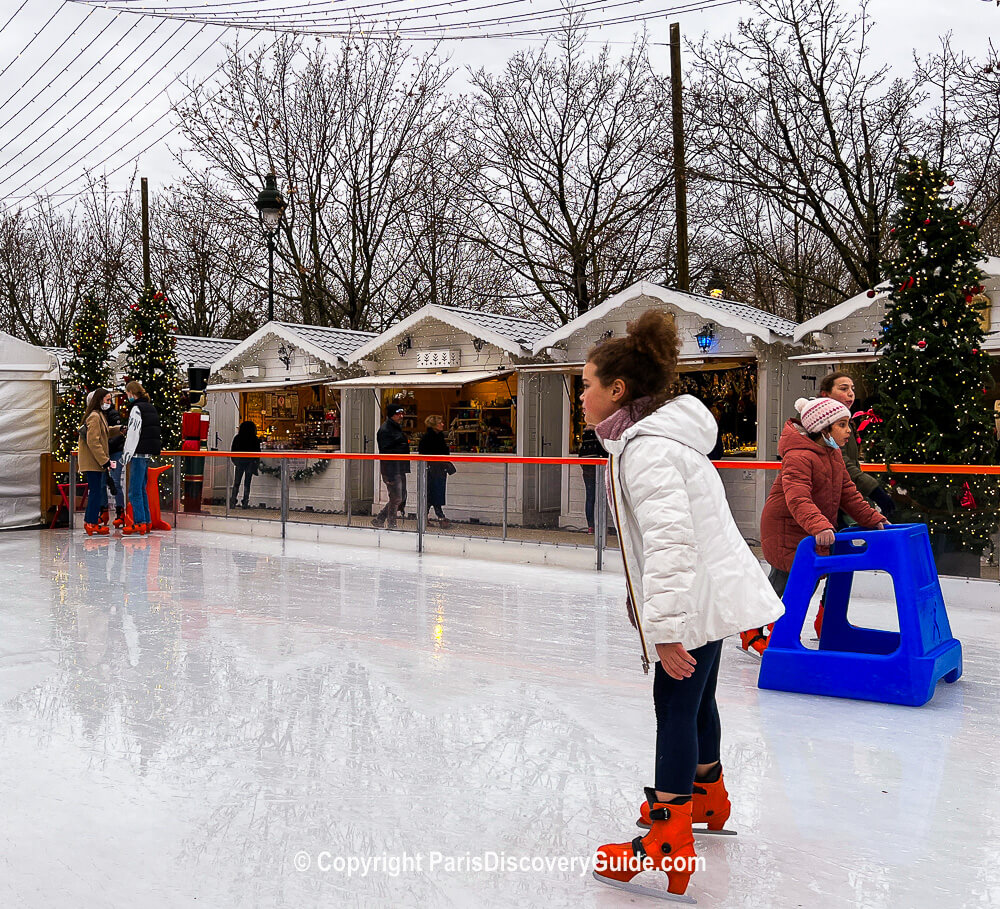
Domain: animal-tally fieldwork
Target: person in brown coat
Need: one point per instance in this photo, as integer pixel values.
(812, 486)
(95, 460)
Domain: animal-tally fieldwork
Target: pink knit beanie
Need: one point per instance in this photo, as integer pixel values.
(818, 414)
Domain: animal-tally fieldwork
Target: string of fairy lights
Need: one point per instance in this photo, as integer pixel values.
(100, 98)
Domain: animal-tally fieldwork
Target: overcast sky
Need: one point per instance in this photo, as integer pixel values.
(82, 87)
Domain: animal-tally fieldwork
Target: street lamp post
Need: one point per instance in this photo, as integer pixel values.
(271, 206)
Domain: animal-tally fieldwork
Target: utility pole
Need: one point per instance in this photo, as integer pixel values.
(147, 281)
(680, 172)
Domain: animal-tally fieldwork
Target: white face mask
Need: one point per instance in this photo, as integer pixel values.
(105, 407)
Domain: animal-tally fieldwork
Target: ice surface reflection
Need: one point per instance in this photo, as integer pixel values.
(184, 714)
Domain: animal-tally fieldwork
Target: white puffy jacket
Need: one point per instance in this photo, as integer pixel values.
(689, 571)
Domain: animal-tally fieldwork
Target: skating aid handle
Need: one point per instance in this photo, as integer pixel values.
(846, 536)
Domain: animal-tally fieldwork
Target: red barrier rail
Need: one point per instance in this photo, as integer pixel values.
(981, 469)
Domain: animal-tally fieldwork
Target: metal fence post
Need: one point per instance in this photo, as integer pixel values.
(347, 488)
(226, 462)
(71, 509)
(421, 504)
(284, 495)
(506, 477)
(601, 515)
(177, 487)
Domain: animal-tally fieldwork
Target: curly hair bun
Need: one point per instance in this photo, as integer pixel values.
(653, 335)
(645, 359)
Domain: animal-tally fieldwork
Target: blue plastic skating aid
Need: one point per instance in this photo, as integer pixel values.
(892, 667)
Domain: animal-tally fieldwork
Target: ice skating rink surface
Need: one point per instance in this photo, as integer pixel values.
(209, 720)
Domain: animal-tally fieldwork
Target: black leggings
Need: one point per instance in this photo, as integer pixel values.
(688, 731)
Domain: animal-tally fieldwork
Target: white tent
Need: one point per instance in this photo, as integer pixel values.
(28, 377)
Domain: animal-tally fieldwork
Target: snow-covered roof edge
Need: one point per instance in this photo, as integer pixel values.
(442, 314)
(990, 266)
(285, 332)
(687, 302)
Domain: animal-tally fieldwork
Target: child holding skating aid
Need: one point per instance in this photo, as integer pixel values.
(691, 579)
(812, 486)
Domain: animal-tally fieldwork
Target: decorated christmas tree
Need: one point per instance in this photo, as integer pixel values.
(86, 369)
(933, 376)
(151, 360)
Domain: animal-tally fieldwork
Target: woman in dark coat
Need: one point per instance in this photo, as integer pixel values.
(246, 468)
(590, 447)
(433, 442)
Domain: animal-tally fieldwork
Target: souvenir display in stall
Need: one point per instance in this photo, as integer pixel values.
(731, 395)
(306, 418)
(480, 417)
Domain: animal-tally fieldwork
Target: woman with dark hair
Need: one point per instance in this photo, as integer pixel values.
(95, 459)
(142, 442)
(246, 439)
(691, 581)
(433, 442)
(116, 445)
(840, 387)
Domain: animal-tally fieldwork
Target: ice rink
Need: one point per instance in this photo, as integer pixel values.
(191, 719)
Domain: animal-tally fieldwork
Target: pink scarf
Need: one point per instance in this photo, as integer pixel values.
(614, 427)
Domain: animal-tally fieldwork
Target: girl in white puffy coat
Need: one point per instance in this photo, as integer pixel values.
(692, 581)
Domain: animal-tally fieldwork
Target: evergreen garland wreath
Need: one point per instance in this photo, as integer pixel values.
(305, 473)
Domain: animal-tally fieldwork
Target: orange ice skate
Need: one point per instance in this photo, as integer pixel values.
(668, 847)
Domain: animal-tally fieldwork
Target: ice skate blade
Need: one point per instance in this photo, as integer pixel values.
(697, 831)
(640, 890)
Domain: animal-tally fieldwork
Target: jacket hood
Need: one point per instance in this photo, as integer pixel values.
(793, 437)
(684, 419)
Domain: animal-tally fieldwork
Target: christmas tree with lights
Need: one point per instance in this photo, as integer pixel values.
(933, 376)
(86, 369)
(151, 360)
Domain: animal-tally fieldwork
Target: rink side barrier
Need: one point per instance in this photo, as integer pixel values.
(982, 469)
(286, 458)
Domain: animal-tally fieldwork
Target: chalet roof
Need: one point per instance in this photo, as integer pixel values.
(330, 345)
(990, 266)
(510, 333)
(748, 319)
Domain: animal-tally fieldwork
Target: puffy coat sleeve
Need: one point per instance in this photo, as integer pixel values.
(865, 482)
(132, 436)
(97, 440)
(660, 505)
(797, 484)
(855, 505)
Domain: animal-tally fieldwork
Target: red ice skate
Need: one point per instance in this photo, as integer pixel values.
(754, 641)
(710, 805)
(818, 624)
(99, 529)
(668, 847)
